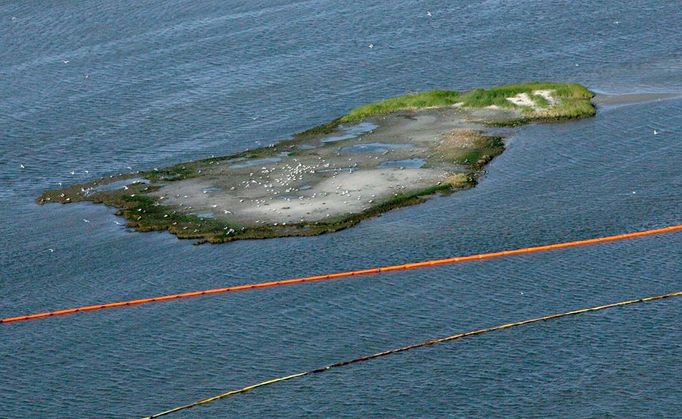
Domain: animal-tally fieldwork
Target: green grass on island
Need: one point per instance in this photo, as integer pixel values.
(573, 101)
(430, 99)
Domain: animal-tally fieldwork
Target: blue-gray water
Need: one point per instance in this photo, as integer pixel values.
(153, 83)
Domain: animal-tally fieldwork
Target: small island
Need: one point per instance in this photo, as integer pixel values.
(378, 157)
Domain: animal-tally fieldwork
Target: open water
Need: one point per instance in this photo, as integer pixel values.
(88, 88)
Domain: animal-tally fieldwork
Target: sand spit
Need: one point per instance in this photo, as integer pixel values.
(633, 98)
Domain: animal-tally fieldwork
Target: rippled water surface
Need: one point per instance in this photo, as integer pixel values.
(89, 88)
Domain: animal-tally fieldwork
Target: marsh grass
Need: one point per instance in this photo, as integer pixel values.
(486, 149)
(430, 99)
(461, 180)
(564, 92)
(468, 147)
(573, 101)
(540, 101)
(412, 101)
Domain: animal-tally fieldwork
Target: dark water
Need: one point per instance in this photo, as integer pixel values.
(153, 83)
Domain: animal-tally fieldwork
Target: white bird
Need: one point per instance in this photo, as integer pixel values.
(51, 250)
(73, 172)
(22, 166)
(428, 13)
(371, 46)
(86, 220)
(65, 61)
(655, 132)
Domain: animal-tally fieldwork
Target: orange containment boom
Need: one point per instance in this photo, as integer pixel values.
(407, 266)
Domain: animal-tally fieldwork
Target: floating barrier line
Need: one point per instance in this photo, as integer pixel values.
(327, 277)
(414, 346)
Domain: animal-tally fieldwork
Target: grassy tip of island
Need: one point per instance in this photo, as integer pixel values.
(572, 102)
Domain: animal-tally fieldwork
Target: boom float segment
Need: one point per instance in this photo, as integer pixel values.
(407, 266)
(414, 346)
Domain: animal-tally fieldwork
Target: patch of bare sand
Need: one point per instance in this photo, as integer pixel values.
(343, 194)
(632, 98)
(346, 193)
(547, 94)
(522, 99)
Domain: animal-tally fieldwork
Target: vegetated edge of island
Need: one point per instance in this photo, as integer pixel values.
(146, 213)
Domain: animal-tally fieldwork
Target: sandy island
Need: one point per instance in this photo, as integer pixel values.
(378, 157)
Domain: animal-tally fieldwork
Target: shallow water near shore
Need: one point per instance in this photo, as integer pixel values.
(165, 83)
(375, 148)
(349, 132)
